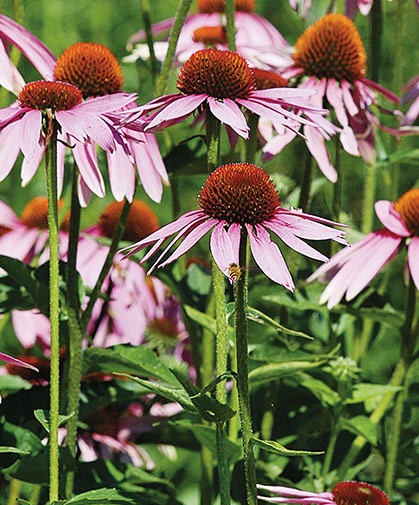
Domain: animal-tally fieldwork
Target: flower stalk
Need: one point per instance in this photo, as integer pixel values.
(241, 308)
(230, 10)
(180, 17)
(75, 332)
(145, 14)
(51, 179)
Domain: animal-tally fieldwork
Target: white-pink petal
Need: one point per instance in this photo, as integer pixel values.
(390, 218)
(224, 251)
(413, 259)
(268, 256)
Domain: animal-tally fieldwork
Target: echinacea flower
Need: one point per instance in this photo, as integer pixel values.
(352, 269)
(344, 493)
(21, 125)
(26, 237)
(223, 82)
(257, 40)
(331, 54)
(94, 69)
(241, 198)
(30, 46)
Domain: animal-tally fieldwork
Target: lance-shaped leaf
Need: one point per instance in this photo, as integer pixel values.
(276, 448)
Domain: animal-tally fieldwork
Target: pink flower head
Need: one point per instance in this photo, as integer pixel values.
(21, 125)
(31, 47)
(223, 81)
(241, 198)
(352, 269)
(94, 69)
(26, 237)
(344, 493)
(257, 40)
(331, 54)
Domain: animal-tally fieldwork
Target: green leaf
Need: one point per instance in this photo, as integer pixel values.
(364, 392)
(209, 408)
(198, 280)
(14, 450)
(205, 320)
(320, 390)
(44, 417)
(261, 318)
(276, 448)
(126, 359)
(169, 392)
(275, 371)
(411, 155)
(12, 384)
(361, 425)
(98, 497)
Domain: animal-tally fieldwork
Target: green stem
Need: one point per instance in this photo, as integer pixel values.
(252, 143)
(359, 442)
(35, 494)
(14, 491)
(241, 304)
(223, 469)
(407, 349)
(182, 12)
(306, 184)
(230, 10)
(376, 29)
(145, 14)
(75, 332)
(369, 197)
(398, 59)
(337, 190)
(213, 127)
(54, 315)
(330, 448)
(119, 230)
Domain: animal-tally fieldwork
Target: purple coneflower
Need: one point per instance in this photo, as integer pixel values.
(94, 69)
(331, 54)
(256, 38)
(21, 125)
(350, 270)
(223, 81)
(344, 493)
(241, 198)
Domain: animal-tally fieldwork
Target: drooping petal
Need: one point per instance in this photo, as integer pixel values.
(30, 46)
(268, 256)
(30, 132)
(9, 148)
(381, 89)
(229, 113)
(31, 164)
(315, 144)
(390, 218)
(180, 108)
(413, 259)
(10, 77)
(16, 362)
(276, 144)
(286, 235)
(223, 249)
(121, 175)
(86, 159)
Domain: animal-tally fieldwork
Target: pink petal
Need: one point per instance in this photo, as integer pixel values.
(348, 99)
(191, 238)
(16, 362)
(30, 132)
(84, 193)
(287, 236)
(9, 148)
(7, 217)
(390, 218)
(183, 106)
(148, 159)
(268, 256)
(31, 164)
(413, 259)
(10, 78)
(106, 103)
(86, 160)
(377, 87)
(31, 47)
(276, 144)
(223, 250)
(315, 144)
(229, 113)
(121, 175)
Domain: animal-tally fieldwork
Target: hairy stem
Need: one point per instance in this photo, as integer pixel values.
(75, 332)
(369, 196)
(54, 315)
(145, 14)
(230, 10)
(241, 304)
(182, 12)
